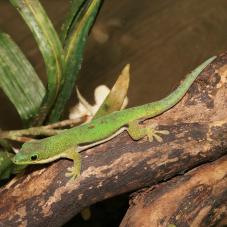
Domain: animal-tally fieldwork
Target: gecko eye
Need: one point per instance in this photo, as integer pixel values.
(34, 157)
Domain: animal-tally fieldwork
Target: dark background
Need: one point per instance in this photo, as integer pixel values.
(163, 41)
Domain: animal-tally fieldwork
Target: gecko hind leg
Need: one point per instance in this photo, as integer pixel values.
(136, 131)
(73, 171)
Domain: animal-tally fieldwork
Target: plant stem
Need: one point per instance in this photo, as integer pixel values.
(25, 135)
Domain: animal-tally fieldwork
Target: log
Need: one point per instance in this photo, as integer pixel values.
(198, 199)
(198, 134)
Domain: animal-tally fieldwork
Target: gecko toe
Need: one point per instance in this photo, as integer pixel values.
(72, 172)
(152, 133)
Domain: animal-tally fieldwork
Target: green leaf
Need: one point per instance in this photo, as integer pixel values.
(19, 80)
(74, 9)
(73, 56)
(49, 45)
(7, 167)
(114, 100)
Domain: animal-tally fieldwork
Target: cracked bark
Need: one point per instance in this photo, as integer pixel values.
(198, 134)
(196, 199)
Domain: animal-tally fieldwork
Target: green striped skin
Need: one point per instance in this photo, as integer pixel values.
(52, 148)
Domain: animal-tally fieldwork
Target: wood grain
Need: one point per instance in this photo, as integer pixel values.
(197, 199)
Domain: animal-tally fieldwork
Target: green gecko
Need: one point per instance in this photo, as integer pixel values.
(69, 143)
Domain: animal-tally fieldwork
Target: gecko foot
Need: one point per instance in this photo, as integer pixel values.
(152, 133)
(136, 131)
(73, 172)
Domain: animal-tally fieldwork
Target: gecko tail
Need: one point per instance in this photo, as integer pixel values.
(172, 99)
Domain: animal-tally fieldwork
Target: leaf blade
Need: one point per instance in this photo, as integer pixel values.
(73, 57)
(19, 80)
(50, 47)
(74, 9)
(115, 99)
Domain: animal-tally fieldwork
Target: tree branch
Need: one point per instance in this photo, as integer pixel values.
(24, 135)
(198, 134)
(196, 199)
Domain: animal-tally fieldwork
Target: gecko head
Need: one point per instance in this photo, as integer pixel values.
(24, 159)
(29, 154)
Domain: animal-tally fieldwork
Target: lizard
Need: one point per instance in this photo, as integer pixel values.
(70, 142)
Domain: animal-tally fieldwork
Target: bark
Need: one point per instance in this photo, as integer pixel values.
(197, 199)
(198, 134)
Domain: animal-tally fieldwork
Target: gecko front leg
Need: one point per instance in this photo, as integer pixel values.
(136, 131)
(73, 171)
